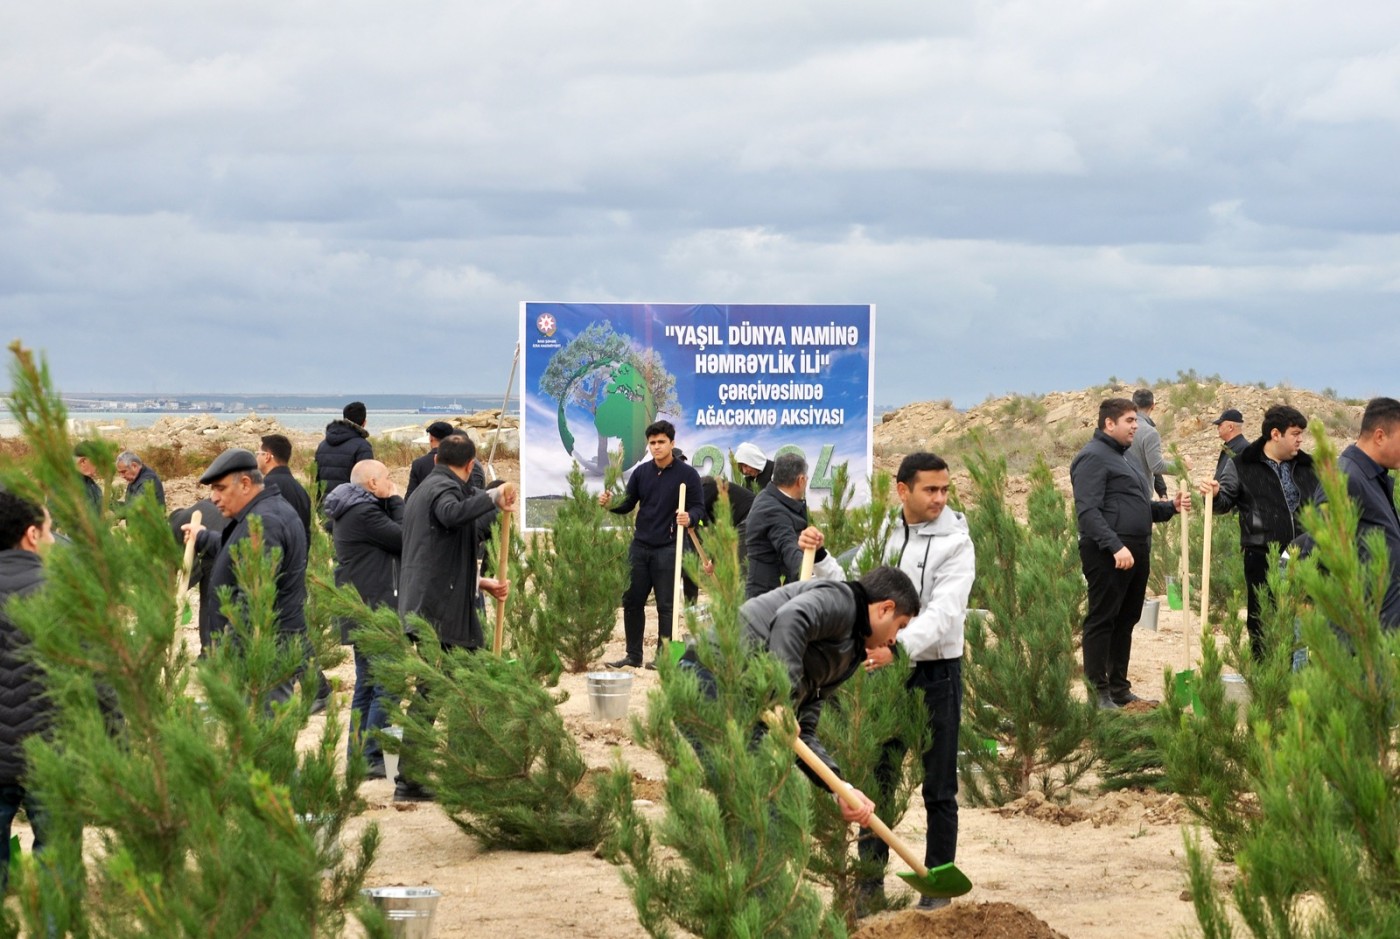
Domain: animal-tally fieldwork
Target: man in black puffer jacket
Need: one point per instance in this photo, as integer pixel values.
(24, 706)
(346, 443)
(1268, 483)
(364, 517)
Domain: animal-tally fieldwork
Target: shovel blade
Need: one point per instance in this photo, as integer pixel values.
(945, 880)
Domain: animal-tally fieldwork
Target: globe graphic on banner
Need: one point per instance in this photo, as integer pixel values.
(625, 409)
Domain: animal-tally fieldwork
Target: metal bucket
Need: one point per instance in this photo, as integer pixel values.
(608, 694)
(1150, 609)
(408, 910)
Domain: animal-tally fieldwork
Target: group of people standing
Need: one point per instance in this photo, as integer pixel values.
(1267, 481)
(910, 610)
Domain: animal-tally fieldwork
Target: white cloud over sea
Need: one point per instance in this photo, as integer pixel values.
(329, 196)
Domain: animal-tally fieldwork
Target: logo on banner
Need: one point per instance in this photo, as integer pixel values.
(546, 324)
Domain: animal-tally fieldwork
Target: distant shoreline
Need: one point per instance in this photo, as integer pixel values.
(303, 421)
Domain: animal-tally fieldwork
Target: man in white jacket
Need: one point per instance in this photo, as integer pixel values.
(930, 543)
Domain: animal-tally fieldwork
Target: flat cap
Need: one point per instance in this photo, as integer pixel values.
(749, 454)
(439, 430)
(230, 461)
(1229, 414)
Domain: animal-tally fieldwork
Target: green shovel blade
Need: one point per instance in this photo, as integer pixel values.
(945, 880)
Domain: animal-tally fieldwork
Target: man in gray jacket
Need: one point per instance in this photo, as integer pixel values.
(822, 631)
(1146, 448)
(932, 545)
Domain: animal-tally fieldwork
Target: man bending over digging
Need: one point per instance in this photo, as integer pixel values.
(822, 631)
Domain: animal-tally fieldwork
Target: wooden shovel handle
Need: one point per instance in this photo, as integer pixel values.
(809, 559)
(845, 794)
(696, 541)
(676, 588)
(188, 565)
(500, 639)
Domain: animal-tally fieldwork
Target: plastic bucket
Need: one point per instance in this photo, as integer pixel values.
(1150, 609)
(408, 910)
(1237, 692)
(608, 694)
(391, 757)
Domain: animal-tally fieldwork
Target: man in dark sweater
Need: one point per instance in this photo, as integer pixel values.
(139, 478)
(1115, 546)
(84, 457)
(778, 531)
(346, 443)
(25, 709)
(1232, 443)
(654, 488)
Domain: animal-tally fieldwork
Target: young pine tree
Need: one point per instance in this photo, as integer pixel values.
(1021, 666)
(727, 858)
(1327, 787)
(213, 821)
(489, 741)
(579, 570)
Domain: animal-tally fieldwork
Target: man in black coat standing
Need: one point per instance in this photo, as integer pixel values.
(439, 576)
(365, 520)
(438, 431)
(346, 443)
(1268, 483)
(274, 455)
(236, 487)
(25, 709)
(1115, 546)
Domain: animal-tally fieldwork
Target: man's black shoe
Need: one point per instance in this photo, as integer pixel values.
(624, 663)
(651, 666)
(1106, 703)
(412, 792)
(928, 904)
(870, 899)
(1130, 698)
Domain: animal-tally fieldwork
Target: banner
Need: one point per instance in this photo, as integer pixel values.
(775, 375)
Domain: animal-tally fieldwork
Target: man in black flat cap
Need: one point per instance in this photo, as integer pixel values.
(236, 488)
(1232, 442)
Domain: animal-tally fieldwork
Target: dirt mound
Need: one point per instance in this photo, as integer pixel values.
(961, 921)
(1035, 805)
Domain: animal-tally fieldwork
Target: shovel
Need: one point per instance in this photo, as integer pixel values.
(1184, 682)
(500, 637)
(182, 585)
(809, 559)
(676, 597)
(945, 880)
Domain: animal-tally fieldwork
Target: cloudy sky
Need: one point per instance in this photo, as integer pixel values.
(354, 197)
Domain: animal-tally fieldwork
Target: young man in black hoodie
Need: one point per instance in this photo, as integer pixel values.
(1115, 546)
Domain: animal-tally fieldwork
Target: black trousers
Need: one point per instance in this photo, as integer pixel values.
(1256, 582)
(1115, 606)
(653, 569)
(940, 684)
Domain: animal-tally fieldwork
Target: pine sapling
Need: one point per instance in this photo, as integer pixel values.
(728, 856)
(1021, 669)
(213, 820)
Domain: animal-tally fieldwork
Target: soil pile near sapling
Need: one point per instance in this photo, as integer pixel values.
(960, 921)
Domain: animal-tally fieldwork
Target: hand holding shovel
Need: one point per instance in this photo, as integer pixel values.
(942, 881)
(183, 585)
(499, 641)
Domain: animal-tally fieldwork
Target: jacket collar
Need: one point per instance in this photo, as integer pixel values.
(1254, 453)
(1103, 437)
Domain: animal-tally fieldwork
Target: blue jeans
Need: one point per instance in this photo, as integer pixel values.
(367, 702)
(12, 796)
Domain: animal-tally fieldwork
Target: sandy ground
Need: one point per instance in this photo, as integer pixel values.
(1120, 866)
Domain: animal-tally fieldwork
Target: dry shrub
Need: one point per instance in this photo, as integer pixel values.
(394, 453)
(176, 461)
